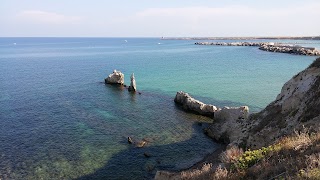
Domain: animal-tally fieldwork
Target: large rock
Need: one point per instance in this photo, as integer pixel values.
(133, 86)
(115, 78)
(232, 113)
(228, 121)
(296, 106)
(190, 104)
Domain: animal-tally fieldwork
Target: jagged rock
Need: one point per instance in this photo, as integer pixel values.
(190, 104)
(133, 86)
(232, 113)
(297, 106)
(115, 78)
(130, 141)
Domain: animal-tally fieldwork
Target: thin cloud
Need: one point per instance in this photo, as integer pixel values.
(37, 16)
(224, 21)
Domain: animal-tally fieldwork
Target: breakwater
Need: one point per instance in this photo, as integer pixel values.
(271, 47)
(291, 49)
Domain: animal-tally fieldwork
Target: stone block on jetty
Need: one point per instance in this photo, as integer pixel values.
(116, 77)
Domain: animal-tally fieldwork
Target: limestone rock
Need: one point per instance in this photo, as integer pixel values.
(296, 106)
(133, 86)
(190, 104)
(115, 78)
(232, 113)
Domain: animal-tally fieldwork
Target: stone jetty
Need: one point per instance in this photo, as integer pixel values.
(271, 47)
(232, 43)
(291, 49)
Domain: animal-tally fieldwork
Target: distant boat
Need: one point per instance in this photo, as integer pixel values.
(14, 43)
(125, 41)
(159, 43)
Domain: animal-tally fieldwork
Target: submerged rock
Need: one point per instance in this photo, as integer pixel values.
(116, 77)
(141, 144)
(133, 86)
(146, 154)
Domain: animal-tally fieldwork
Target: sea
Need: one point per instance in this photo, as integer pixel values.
(58, 120)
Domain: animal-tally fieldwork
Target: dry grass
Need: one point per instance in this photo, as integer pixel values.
(293, 157)
(231, 155)
(220, 173)
(198, 173)
(313, 168)
(299, 141)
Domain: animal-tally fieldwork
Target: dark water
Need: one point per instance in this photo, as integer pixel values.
(59, 121)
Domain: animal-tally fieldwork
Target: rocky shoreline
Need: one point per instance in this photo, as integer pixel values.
(270, 47)
(295, 108)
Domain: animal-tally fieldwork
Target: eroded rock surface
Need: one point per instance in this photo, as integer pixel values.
(133, 86)
(116, 77)
(190, 104)
(297, 106)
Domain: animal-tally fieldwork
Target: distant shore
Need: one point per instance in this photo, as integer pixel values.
(271, 47)
(245, 38)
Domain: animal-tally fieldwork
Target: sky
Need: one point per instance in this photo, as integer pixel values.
(159, 18)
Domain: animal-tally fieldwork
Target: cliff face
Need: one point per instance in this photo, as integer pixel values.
(296, 106)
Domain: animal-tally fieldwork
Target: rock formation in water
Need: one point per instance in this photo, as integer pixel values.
(297, 106)
(190, 104)
(133, 86)
(115, 78)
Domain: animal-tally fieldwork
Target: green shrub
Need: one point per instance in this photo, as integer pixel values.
(251, 157)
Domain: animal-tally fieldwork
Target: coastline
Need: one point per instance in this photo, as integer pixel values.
(245, 38)
(293, 115)
(270, 47)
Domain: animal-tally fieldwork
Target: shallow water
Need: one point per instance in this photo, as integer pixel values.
(59, 120)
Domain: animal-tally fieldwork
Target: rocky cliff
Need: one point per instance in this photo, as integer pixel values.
(297, 106)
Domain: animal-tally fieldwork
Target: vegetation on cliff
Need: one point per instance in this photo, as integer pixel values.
(293, 157)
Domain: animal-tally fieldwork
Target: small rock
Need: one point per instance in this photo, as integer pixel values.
(130, 141)
(146, 154)
(141, 144)
(133, 86)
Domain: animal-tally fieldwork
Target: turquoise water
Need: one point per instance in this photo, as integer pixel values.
(58, 120)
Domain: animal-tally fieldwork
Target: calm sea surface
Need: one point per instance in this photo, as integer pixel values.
(58, 120)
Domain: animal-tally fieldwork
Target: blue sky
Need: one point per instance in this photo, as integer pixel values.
(156, 18)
